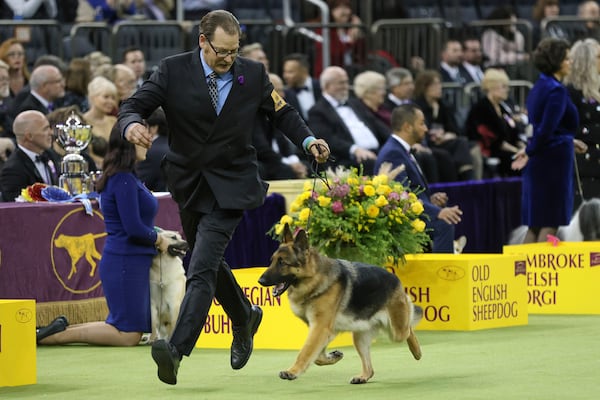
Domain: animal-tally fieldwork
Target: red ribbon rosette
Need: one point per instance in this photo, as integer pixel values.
(35, 191)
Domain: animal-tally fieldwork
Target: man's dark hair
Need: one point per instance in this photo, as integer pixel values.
(219, 18)
(128, 50)
(549, 55)
(405, 113)
(300, 58)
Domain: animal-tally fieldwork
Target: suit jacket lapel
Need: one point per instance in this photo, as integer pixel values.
(30, 166)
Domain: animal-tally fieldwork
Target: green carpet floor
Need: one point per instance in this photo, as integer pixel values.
(554, 357)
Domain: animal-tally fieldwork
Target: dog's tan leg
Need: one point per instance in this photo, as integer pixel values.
(319, 335)
(362, 343)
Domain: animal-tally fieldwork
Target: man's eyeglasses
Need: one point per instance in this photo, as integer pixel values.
(223, 53)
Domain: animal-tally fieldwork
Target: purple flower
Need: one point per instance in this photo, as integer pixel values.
(337, 207)
(393, 196)
(241, 79)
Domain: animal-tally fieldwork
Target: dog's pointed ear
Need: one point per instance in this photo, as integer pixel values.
(288, 236)
(301, 240)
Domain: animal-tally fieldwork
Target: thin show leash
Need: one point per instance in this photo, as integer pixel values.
(314, 166)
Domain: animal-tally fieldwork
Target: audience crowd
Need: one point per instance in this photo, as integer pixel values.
(348, 103)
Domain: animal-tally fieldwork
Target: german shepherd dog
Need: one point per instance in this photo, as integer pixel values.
(167, 286)
(333, 296)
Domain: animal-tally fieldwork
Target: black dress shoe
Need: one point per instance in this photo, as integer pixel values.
(58, 325)
(167, 358)
(241, 348)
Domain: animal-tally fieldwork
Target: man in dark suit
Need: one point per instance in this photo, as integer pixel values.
(47, 85)
(211, 99)
(302, 90)
(408, 125)
(31, 162)
(353, 132)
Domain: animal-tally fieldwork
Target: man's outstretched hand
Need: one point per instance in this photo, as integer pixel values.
(320, 150)
(137, 133)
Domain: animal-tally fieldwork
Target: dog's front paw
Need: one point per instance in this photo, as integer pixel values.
(287, 375)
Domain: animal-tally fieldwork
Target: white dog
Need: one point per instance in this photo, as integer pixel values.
(167, 286)
(584, 225)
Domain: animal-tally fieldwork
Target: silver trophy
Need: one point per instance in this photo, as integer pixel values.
(74, 137)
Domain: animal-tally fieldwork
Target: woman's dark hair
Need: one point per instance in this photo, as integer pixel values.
(549, 55)
(119, 158)
(158, 118)
(503, 13)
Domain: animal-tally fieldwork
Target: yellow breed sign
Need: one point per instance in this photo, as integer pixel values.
(17, 343)
(280, 328)
(561, 279)
(466, 291)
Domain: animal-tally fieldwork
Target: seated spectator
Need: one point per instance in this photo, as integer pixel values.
(542, 10)
(409, 128)
(102, 97)
(28, 9)
(125, 80)
(451, 65)
(370, 88)
(443, 132)
(503, 44)
(31, 162)
(97, 59)
(302, 90)
(277, 157)
(194, 10)
(12, 53)
(46, 59)
(401, 87)
(492, 125)
(6, 119)
(47, 87)
(254, 51)
(148, 170)
(352, 132)
(346, 44)
(159, 10)
(108, 11)
(77, 79)
(589, 10)
(472, 65)
(133, 57)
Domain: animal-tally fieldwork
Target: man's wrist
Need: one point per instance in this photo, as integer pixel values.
(307, 142)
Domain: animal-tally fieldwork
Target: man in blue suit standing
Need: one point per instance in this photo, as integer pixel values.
(408, 125)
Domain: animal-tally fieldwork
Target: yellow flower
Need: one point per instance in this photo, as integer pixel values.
(286, 219)
(417, 207)
(279, 229)
(305, 195)
(303, 216)
(380, 180)
(324, 201)
(308, 185)
(412, 196)
(369, 190)
(384, 190)
(418, 225)
(296, 205)
(381, 201)
(352, 181)
(372, 211)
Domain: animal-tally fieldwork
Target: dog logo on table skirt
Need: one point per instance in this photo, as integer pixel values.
(76, 249)
(333, 296)
(167, 286)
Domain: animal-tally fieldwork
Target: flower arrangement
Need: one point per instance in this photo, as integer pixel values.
(376, 220)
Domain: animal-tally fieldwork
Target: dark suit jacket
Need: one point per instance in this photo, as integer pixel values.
(291, 95)
(148, 170)
(19, 172)
(393, 152)
(29, 103)
(211, 158)
(324, 119)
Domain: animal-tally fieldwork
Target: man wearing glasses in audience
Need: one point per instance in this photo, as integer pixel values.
(47, 85)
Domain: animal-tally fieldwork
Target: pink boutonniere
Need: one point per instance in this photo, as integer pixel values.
(241, 79)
